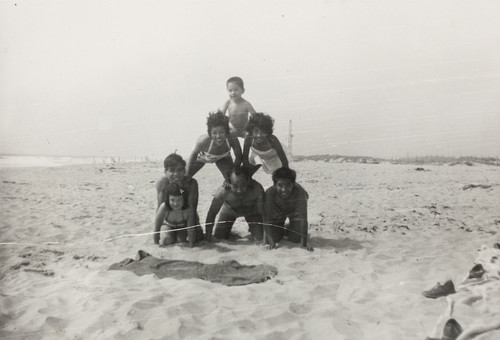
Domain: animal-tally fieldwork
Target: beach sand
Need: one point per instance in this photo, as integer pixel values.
(381, 234)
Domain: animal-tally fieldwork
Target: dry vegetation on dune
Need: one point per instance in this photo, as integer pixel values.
(431, 160)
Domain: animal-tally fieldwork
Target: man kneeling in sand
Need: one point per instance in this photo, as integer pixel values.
(243, 196)
(286, 199)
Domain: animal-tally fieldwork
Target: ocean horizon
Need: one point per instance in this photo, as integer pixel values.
(43, 161)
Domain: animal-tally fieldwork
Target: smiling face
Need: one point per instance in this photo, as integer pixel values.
(258, 135)
(238, 184)
(176, 202)
(284, 187)
(234, 90)
(218, 135)
(175, 174)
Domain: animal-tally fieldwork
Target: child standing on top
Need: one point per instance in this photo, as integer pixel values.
(261, 147)
(238, 109)
(215, 147)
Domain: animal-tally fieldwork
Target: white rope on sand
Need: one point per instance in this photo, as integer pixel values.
(140, 235)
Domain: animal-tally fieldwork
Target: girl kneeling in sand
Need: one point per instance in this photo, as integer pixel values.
(261, 147)
(176, 220)
(215, 147)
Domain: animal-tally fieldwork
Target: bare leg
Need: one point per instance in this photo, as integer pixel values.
(182, 236)
(194, 168)
(169, 237)
(195, 234)
(255, 226)
(225, 165)
(254, 168)
(294, 232)
(277, 229)
(298, 231)
(224, 223)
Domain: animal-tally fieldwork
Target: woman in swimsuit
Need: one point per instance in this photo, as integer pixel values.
(175, 214)
(261, 147)
(215, 147)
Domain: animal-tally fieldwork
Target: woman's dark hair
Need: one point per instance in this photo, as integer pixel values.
(217, 119)
(284, 173)
(262, 121)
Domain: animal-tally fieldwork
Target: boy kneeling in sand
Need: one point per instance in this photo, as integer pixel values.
(286, 199)
(243, 196)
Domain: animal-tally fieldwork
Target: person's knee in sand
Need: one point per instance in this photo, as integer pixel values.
(286, 199)
(242, 197)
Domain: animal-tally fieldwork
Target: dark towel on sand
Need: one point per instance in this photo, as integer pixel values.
(227, 273)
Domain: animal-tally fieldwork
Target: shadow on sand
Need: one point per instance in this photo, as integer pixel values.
(341, 244)
(234, 239)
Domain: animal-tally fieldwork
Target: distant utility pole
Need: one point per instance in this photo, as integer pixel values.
(290, 136)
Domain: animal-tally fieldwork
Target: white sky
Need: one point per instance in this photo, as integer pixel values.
(137, 78)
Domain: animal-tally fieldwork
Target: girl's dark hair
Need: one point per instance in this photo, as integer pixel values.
(262, 121)
(284, 173)
(172, 161)
(173, 189)
(236, 80)
(217, 119)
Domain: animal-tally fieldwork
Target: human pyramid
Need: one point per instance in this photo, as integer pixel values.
(265, 212)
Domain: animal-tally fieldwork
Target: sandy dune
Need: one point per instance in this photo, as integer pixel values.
(382, 234)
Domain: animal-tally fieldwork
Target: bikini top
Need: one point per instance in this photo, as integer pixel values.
(207, 157)
(267, 154)
(178, 224)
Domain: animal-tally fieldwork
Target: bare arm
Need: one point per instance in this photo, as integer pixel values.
(223, 107)
(160, 191)
(194, 153)
(160, 216)
(217, 201)
(275, 144)
(268, 201)
(191, 221)
(259, 190)
(193, 194)
(250, 108)
(302, 198)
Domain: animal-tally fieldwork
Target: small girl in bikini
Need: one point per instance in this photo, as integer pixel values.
(215, 147)
(174, 214)
(261, 147)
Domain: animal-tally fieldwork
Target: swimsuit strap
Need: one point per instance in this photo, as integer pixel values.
(212, 143)
(174, 225)
(269, 152)
(208, 157)
(210, 146)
